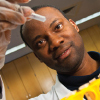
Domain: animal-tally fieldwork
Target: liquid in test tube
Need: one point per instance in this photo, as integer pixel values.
(37, 17)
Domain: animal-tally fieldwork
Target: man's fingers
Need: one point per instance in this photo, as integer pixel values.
(11, 16)
(9, 12)
(24, 9)
(27, 11)
(8, 35)
(9, 5)
(4, 26)
(13, 12)
(19, 1)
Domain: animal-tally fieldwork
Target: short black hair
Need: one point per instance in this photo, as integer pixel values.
(35, 9)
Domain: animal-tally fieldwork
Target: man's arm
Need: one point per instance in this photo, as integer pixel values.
(11, 15)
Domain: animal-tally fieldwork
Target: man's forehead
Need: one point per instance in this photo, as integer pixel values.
(50, 13)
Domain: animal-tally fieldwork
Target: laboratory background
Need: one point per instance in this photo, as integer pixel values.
(24, 75)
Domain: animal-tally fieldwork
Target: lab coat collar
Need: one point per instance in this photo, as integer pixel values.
(60, 89)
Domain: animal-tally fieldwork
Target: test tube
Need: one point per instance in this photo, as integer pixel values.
(37, 17)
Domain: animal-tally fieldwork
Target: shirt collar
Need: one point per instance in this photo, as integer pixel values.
(94, 55)
(60, 89)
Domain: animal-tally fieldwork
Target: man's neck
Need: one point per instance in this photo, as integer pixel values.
(87, 67)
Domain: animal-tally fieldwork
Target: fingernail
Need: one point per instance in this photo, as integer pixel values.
(26, 11)
(28, 19)
(27, 1)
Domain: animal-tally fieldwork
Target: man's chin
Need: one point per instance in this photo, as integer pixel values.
(67, 72)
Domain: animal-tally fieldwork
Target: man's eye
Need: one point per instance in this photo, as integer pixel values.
(41, 43)
(58, 27)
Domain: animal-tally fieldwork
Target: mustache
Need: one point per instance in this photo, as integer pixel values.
(62, 46)
(66, 45)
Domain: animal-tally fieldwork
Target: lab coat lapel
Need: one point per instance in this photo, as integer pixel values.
(60, 89)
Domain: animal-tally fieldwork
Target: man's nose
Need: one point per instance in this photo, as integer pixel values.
(55, 41)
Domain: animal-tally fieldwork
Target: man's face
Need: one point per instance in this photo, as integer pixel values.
(56, 41)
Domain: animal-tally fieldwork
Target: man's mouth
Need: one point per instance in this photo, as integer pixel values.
(63, 54)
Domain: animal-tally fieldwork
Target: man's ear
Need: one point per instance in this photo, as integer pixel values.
(38, 57)
(73, 23)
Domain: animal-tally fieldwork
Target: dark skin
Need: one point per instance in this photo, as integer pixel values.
(57, 43)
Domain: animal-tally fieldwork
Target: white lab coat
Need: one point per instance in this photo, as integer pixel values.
(57, 92)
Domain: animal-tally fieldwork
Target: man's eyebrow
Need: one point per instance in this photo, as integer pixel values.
(38, 36)
(53, 22)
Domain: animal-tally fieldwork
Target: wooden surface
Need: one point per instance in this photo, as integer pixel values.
(88, 42)
(14, 82)
(28, 77)
(42, 73)
(94, 33)
(8, 93)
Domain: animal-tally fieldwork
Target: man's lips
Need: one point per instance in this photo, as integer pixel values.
(63, 53)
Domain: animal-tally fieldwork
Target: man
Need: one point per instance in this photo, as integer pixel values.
(57, 43)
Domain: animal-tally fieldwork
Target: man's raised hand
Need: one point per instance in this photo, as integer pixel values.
(11, 15)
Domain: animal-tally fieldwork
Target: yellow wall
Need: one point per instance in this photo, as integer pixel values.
(27, 77)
